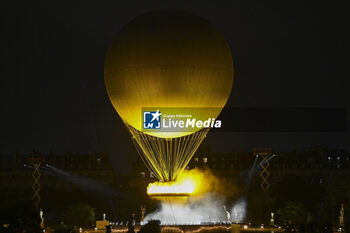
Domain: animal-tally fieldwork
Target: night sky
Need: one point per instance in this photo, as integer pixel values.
(52, 86)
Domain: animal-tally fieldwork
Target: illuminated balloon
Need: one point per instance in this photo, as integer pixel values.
(168, 59)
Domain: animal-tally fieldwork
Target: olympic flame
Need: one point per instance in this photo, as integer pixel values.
(191, 182)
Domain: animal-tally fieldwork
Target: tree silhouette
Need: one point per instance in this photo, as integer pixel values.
(153, 226)
(21, 217)
(80, 214)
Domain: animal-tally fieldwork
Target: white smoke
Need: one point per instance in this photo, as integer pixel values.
(208, 209)
(239, 210)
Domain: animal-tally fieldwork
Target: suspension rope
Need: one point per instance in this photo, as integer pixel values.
(166, 158)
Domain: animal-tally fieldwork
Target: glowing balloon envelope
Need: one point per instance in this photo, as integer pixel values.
(170, 59)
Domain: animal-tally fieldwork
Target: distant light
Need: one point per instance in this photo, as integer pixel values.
(245, 227)
(257, 156)
(205, 160)
(80, 230)
(329, 158)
